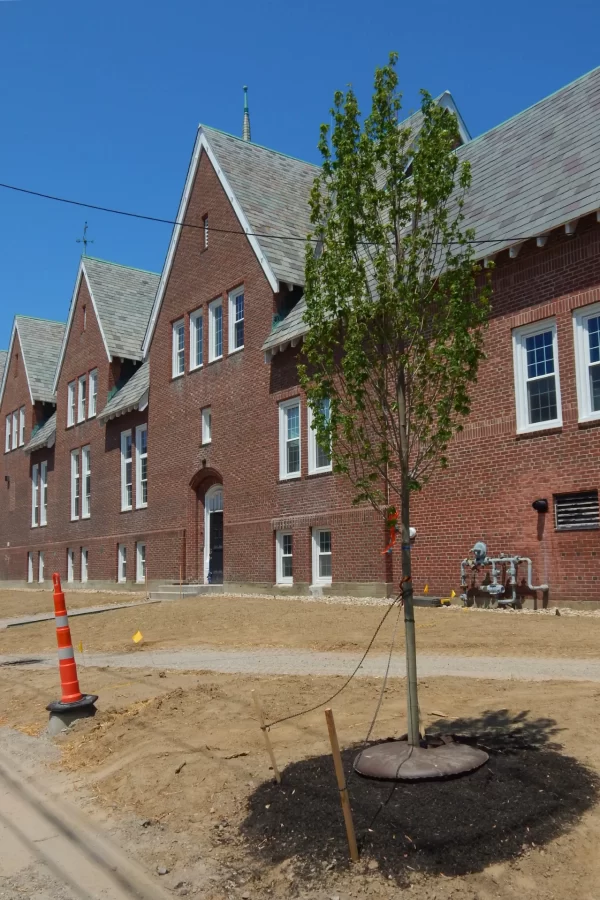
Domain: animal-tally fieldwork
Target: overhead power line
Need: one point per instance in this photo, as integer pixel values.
(202, 227)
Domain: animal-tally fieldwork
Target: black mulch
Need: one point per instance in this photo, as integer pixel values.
(527, 794)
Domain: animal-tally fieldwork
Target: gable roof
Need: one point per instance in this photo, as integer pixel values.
(133, 395)
(40, 341)
(43, 437)
(122, 298)
(3, 360)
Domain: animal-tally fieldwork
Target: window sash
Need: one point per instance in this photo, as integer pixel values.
(290, 451)
(140, 566)
(537, 381)
(285, 558)
(141, 466)
(70, 404)
(215, 330)
(236, 320)
(126, 471)
(87, 483)
(81, 397)
(196, 341)
(586, 325)
(319, 459)
(7, 434)
(206, 425)
(44, 493)
(21, 426)
(75, 484)
(178, 348)
(41, 566)
(122, 564)
(93, 399)
(35, 496)
(84, 564)
(30, 567)
(15, 431)
(70, 565)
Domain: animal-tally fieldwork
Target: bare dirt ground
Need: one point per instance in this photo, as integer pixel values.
(17, 603)
(250, 622)
(181, 757)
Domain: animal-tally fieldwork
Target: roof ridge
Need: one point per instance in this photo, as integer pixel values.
(38, 319)
(260, 146)
(533, 105)
(108, 262)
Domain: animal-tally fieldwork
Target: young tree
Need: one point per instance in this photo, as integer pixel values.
(396, 307)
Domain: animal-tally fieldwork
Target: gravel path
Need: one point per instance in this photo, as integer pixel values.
(303, 662)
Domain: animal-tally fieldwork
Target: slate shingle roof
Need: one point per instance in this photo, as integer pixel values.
(124, 298)
(129, 396)
(41, 342)
(530, 174)
(44, 437)
(273, 191)
(3, 358)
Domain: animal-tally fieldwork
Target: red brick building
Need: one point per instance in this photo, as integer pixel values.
(197, 462)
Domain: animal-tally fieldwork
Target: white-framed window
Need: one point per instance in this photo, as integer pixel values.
(35, 496)
(321, 556)
(70, 564)
(319, 458)
(21, 426)
(81, 397)
(93, 401)
(215, 329)
(206, 425)
(141, 466)
(86, 494)
(586, 325)
(205, 221)
(75, 485)
(15, 430)
(84, 564)
(537, 385)
(43, 493)
(236, 320)
(71, 404)
(140, 562)
(289, 438)
(30, 566)
(178, 348)
(285, 568)
(41, 566)
(196, 340)
(126, 471)
(122, 563)
(7, 434)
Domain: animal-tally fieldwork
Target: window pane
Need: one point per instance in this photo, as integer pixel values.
(286, 567)
(287, 544)
(540, 354)
(323, 458)
(218, 313)
(239, 334)
(199, 339)
(595, 387)
(293, 422)
(293, 456)
(325, 542)
(542, 400)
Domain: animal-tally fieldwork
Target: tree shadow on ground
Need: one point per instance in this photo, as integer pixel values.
(527, 794)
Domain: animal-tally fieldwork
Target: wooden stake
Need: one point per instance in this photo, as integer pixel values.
(261, 721)
(341, 780)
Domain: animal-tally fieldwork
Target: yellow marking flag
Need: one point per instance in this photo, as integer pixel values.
(80, 646)
(426, 589)
(138, 636)
(453, 594)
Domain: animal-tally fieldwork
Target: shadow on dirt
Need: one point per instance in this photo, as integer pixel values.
(527, 794)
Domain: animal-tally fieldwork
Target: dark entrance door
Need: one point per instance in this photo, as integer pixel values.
(215, 565)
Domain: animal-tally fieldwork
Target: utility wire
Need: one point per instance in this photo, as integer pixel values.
(202, 227)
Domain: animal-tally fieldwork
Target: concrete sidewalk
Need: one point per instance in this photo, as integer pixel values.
(307, 662)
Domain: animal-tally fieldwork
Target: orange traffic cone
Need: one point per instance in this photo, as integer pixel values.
(72, 700)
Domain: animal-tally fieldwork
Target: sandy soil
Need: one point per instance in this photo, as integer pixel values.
(24, 603)
(247, 622)
(184, 754)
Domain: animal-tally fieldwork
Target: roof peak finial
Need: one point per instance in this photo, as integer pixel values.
(246, 125)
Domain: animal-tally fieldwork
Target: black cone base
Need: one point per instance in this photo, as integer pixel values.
(399, 761)
(57, 706)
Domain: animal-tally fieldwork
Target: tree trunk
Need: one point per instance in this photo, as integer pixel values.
(407, 587)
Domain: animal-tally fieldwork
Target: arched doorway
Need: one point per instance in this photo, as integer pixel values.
(213, 535)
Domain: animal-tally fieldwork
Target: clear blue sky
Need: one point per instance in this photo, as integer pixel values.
(100, 101)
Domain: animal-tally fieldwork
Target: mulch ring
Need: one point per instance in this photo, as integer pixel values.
(521, 798)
